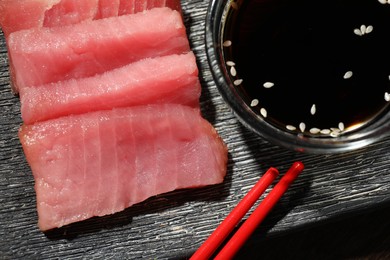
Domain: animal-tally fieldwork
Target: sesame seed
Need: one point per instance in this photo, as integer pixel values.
(237, 82)
(227, 43)
(302, 127)
(334, 133)
(335, 130)
(314, 130)
(230, 63)
(341, 126)
(254, 102)
(363, 28)
(263, 112)
(348, 74)
(358, 32)
(387, 96)
(325, 131)
(313, 109)
(291, 127)
(268, 84)
(384, 1)
(233, 71)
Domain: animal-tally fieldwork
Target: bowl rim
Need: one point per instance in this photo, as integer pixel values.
(378, 129)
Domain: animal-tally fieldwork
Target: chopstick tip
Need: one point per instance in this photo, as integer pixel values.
(298, 166)
(294, 171)
(274, 171)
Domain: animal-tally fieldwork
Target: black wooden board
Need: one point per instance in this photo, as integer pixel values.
(174, 225)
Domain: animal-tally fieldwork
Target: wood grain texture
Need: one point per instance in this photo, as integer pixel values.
(173, 225)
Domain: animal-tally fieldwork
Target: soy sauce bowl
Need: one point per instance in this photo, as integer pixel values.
(256, 109)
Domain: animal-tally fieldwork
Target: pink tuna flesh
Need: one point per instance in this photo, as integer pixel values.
(99, 163)
(18, 15)
(44, 55)
(26, 14)
(107, 8)
(123, 7)
(67, 12)
(167, 79)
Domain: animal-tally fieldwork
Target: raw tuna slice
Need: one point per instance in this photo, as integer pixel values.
(133, 6)
(167, 79)
(66, 12)
(107, 8)
(44, 55)
(26, 14)
(99, 163)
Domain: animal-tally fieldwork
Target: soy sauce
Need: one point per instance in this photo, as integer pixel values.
(325, 64)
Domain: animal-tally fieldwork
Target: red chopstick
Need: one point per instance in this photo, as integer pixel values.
(248, 227)
(224, 229)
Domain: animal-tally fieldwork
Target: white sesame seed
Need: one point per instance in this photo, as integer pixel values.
(302, 127)
(254, 102)
(268, 84)
(335, 130)
(363, 28)
(334, 134)
(314, 130)
(387, 96)
(358, 32)
(237, 82)
(369, 29)
(233, 71)
(230, 63)
(348, 75)
(313, 109)
(263, 112)
(325, 131)
(384, 1)
(291, 127)
(341, 126)
(227, 43)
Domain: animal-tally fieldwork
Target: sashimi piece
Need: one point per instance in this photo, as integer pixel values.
(99, 163)
(173, 4)
(167, 79)
(107, 8)
(43, 55)
(67, 12)
(133, 6)
(140, 5)
(18, 15)
(126, 7)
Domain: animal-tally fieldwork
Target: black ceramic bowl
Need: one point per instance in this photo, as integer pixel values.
(284, 67)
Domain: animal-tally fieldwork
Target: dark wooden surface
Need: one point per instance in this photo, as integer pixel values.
(338, 208)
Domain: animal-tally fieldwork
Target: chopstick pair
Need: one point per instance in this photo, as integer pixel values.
(207, 249)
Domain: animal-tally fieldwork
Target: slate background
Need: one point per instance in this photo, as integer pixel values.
(338, 208)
